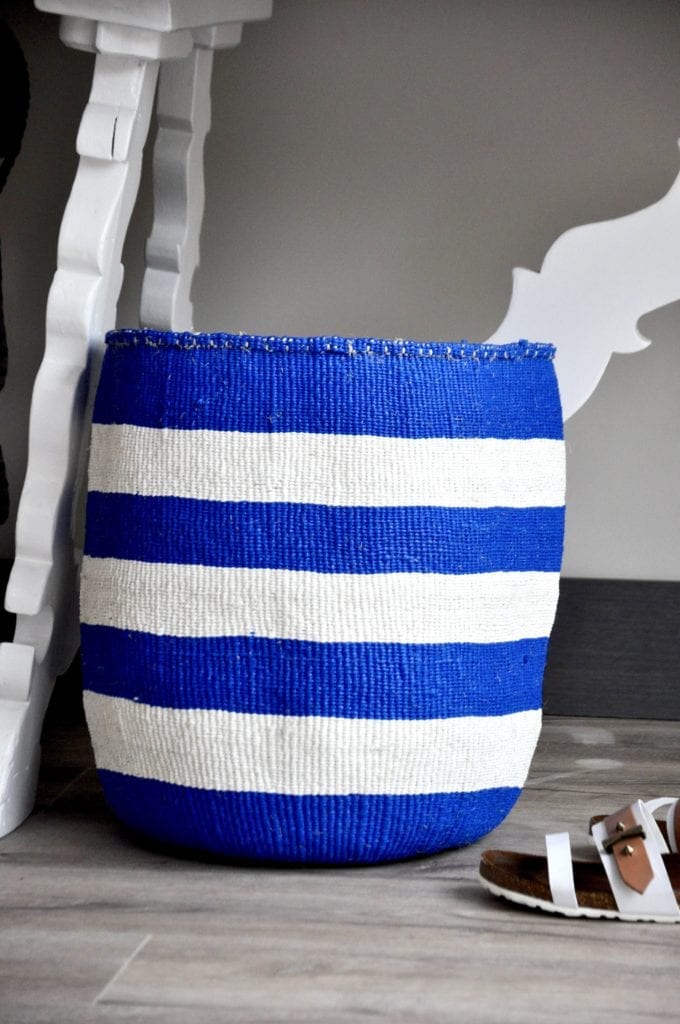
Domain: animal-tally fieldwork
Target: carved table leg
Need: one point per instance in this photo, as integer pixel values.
(172, 251)
(81, 307)
(131, 39)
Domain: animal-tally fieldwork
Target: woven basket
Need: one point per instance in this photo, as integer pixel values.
(318, 584)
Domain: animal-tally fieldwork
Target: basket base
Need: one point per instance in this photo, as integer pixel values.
(266, 827)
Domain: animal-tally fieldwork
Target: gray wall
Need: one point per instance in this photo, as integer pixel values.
(378, 167)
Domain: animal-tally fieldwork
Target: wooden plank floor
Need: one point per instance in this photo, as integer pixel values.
(95, 928)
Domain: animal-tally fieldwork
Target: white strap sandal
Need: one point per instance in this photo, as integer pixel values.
(636, 877)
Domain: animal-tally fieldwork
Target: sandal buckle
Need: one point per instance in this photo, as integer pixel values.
(622, 836)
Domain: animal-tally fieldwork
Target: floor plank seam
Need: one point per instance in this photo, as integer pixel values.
(123, 967)
(69, 785)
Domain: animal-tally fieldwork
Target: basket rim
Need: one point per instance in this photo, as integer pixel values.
(328, 345)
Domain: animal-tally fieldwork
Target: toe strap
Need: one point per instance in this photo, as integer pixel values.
(560, 870)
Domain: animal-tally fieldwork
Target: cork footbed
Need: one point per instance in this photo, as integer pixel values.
(527, 875)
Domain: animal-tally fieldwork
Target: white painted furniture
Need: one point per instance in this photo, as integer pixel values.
(595, 283)
(135, 41)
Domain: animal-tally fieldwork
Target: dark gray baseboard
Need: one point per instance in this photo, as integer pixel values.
(614, 651)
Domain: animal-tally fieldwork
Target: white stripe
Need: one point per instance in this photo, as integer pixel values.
(223, 750)
(327, 469)
(199, 600)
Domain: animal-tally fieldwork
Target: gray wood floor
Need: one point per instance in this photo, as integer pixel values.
(96, 928)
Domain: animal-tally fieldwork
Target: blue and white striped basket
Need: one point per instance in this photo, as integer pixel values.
(318, 584)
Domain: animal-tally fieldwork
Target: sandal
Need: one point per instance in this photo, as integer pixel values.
(635, 878)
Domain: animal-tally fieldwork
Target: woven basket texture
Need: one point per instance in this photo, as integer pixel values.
(319, 579)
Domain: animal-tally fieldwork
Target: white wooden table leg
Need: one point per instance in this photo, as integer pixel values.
(172, 251)
(81, 307)
(131, 38)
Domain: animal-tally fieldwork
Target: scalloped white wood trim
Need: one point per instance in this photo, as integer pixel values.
(172, 251)
(595, 283)
(81, 306)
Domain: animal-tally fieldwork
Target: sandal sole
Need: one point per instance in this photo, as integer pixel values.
(589, 912)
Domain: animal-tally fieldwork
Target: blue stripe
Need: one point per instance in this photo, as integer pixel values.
(158, 383)
(324, 539)
(256, 675)
(324, 830)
